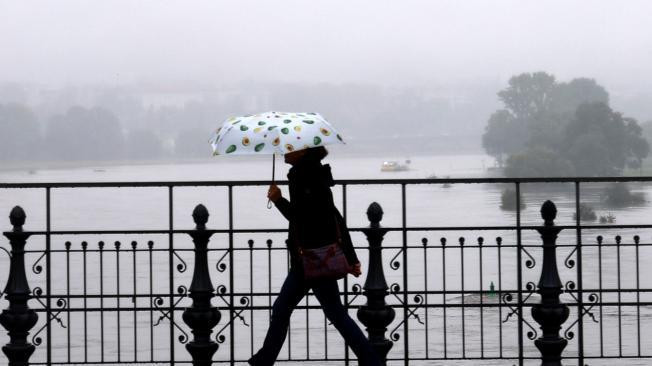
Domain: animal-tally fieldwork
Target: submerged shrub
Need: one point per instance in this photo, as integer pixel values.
(587, 213)
(508, 200)
(618, 194)
(607, 219)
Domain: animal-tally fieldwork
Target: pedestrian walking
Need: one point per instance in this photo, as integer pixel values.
(320, 250)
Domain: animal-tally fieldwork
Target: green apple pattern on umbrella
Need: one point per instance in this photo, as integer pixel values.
(273, 133)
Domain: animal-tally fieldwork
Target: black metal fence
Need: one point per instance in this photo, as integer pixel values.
(470, 293)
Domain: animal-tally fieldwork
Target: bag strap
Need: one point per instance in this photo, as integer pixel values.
(338, 231)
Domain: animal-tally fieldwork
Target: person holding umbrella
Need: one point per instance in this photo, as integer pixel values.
(319, 243)
(313, 223)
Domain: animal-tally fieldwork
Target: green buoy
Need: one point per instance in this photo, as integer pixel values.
(492, 289)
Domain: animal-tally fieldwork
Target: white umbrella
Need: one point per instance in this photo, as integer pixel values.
(273, 133)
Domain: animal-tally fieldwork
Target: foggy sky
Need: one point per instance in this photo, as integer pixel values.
(66, 42)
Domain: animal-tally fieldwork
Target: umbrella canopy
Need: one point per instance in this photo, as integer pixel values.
(273, 133)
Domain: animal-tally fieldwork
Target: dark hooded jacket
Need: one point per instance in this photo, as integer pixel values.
(311, 212)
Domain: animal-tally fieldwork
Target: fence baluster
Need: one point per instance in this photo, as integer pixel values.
(550, 313)
(18, 319)
(376, 315)
(202, 316)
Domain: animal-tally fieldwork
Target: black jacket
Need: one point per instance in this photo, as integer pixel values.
(311, 212)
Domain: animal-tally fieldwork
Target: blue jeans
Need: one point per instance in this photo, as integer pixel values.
(327, 292)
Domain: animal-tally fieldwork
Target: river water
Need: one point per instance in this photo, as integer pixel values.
(427, 205)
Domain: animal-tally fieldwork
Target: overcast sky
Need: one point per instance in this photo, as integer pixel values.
(391, 42)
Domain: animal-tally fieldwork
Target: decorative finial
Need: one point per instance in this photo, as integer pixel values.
(548, 212)
(17, 218)
(200, 216)
(374, 213)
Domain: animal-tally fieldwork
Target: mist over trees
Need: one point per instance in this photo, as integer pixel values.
(20, 135)
(551, 128)
(84, 134)
(149, 122)
(143, 144)
(154, 121)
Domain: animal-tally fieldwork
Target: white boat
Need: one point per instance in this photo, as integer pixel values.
(395, 166)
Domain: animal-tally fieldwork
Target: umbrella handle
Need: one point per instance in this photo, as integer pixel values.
(269, 202)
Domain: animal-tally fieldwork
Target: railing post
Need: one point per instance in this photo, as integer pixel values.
(202, 316)
(18, 319)
(376, 315)
(550, 313)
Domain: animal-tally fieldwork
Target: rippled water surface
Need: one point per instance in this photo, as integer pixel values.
(472, 333)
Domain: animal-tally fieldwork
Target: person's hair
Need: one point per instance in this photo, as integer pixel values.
(316, 153)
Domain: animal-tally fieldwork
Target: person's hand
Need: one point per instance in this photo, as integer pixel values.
(356, 269)
(274, 193)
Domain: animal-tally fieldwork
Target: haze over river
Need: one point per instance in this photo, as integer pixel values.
(426, 206)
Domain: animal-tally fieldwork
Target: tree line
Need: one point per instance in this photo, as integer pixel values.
(79, 134)
(131, 122)
(552, 128)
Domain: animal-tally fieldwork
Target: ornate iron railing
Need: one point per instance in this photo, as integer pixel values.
(472, 292)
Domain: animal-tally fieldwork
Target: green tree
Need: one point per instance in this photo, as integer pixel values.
(528, 95)
(566, 97)
(562, 128)
(546, 131)
(537, 162)
(526, 118)
(503, 135)
(548, 128)
(600, 141)
(638, 142)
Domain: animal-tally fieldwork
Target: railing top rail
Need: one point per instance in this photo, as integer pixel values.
(339, 182)
(353, 228)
